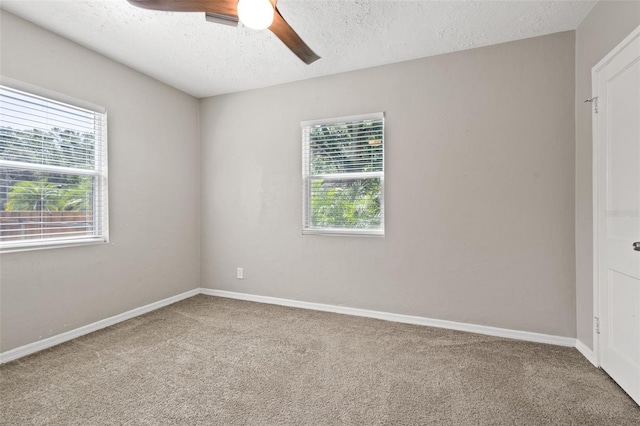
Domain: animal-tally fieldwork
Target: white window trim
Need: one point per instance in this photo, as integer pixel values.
(306, 178)
(332, 120)
(103, 214)
(50, 94)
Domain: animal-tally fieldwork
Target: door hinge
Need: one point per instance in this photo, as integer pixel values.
(596, 324)
(594, 101)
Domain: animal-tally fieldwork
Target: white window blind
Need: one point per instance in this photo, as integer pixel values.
(343, 175)
(53, 172)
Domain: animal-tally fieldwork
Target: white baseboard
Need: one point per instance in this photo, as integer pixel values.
(89, 328)
(587, 353)
(408, 319)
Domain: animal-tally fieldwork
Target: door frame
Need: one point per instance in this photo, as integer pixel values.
(597, 220)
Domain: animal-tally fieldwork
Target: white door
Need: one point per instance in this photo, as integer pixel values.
(616, 84)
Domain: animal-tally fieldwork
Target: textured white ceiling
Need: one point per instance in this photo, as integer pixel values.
(205, 59)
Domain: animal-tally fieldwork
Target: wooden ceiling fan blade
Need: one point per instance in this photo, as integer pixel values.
(224, 7)
(291, 39)
(226, 12)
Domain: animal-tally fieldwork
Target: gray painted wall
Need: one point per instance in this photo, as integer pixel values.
(479, 189)
(153, 185)
(608, 23)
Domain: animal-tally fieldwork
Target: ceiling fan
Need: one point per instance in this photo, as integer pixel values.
(256, 14)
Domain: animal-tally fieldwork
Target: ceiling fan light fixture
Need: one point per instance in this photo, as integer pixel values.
(256, 14)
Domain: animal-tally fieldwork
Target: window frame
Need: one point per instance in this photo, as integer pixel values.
(307, 177)
(101, 171)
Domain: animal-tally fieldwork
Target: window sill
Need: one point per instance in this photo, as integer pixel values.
(344, 232)
(52, 244)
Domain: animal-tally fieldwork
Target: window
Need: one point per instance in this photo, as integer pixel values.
(53, 170)
(343, 175)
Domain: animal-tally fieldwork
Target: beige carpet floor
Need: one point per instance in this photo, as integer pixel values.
(213, 361)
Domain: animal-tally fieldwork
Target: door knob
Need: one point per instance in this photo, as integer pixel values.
(636, 246)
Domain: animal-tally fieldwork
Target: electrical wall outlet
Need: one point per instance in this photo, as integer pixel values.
(240, 273)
